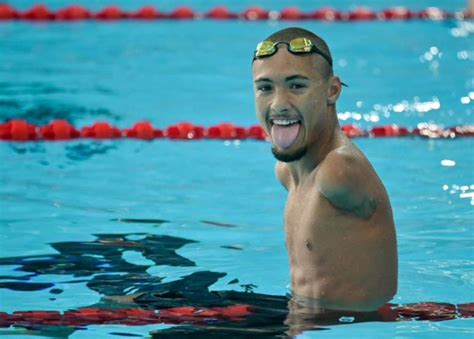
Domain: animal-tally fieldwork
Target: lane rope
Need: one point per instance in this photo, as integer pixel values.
(130, 317)
(40, 12)
(201, 315)
(21, 130)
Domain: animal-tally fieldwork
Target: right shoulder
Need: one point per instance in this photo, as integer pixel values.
(282, 172)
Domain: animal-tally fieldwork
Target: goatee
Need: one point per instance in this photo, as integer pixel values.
(289, 157)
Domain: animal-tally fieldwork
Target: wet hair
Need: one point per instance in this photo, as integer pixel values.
(288, 34)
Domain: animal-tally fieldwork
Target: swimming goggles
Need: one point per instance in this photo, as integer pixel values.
(296, 46)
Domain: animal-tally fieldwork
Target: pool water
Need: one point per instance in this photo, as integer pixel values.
(216, 206)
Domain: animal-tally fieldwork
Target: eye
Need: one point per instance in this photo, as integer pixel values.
(297, 86)
(264, 87)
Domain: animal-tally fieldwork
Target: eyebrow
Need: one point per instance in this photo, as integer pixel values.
(290, 78)
(296, 77)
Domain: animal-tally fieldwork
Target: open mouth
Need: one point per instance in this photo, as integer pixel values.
(284, 131)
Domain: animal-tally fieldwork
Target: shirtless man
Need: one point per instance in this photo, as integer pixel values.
(340, 233)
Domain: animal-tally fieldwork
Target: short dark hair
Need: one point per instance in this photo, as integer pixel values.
(290, 33)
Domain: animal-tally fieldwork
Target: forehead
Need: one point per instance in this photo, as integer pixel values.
(284, 63)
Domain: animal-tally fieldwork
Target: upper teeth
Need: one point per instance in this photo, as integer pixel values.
(285, 122)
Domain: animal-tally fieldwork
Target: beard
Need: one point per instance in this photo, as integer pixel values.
(289, 157)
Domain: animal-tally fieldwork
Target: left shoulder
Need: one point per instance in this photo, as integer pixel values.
(344, 179)
(343, 164)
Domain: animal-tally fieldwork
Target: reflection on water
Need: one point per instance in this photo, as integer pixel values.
(415, 107)
(84, 151)
(463, 191)
(42, 112)
(303, 317)
(187, 301)
(463, 29)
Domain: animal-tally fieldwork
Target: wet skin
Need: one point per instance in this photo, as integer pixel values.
(340, 233)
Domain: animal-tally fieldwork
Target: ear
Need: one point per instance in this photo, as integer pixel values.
(334, 90)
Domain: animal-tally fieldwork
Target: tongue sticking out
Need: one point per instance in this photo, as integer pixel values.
(284, 136)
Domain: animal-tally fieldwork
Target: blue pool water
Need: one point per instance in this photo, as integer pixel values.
(166, 72)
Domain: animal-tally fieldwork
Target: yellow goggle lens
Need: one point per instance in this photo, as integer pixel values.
(265, 48)
(301, 45)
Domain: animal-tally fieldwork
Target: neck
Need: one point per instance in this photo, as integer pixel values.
(328, 139)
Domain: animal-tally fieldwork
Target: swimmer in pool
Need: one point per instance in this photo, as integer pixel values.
(339, 227)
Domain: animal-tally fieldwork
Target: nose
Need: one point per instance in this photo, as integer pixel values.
(281, 102)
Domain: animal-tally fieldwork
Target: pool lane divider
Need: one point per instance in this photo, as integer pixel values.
(191, 315)
(40, 12)
(21, 130)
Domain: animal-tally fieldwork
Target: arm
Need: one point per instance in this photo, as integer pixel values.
(283, 174)
(344, 181)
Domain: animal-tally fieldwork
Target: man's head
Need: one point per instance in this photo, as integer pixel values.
(295, 92)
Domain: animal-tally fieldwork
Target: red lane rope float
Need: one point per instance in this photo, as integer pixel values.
(18, 130)
(389, 131)
(229, 131)
(220, 13)
(325, 14)
(292, 13)
(74, 12)
(21, 130)
(58, 130)
(148, 13)
(397, 13)
(38, 12)
(354, 132)
(255, 13)
(41, 12)
(101, 130)
(143, 130)
(185, 131)
(7, 12)
(181, 13)
(111, 13)
(361, 14)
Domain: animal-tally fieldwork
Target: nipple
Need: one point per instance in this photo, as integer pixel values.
(309, 245)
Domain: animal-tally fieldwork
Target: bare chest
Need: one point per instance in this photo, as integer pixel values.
(306, 215)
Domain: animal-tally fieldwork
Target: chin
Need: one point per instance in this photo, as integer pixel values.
(289, 156)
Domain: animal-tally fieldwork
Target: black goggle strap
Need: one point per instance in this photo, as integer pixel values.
(321, 53)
